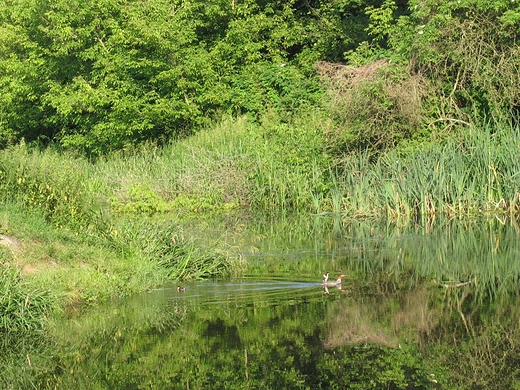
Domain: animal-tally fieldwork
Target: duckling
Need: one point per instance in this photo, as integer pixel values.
(181, 289)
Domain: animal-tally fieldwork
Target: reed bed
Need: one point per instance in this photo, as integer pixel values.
(476, 173)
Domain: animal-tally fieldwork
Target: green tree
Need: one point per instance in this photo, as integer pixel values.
(98, 75)
(470, 47)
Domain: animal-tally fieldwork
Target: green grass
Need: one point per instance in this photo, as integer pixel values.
(235, 164)
(94, 229)
(24, 307)
(271, 166)
(56, 268)
(475, 173)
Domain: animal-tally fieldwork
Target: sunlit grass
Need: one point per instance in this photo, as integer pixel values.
(475, 173)
(24, 307)
(55, 267)
(272, 167)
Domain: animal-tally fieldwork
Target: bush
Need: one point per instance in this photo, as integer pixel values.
(470, 49)
(374, 106)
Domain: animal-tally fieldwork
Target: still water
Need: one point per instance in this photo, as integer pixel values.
(431, 305)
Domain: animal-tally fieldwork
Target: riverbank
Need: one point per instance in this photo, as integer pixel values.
(90, 229)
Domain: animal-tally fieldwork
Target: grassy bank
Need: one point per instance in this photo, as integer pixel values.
(88, 230)
(474, 172)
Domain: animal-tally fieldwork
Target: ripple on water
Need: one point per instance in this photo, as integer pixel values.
(273, 292)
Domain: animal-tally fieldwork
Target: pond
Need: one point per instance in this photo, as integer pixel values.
(430, 305)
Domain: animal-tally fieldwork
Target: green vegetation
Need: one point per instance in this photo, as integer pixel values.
(98, 76)
(474, 173)
(122, 123)
(361, 108)
(112, 226)
(23, 306)
(103, 75)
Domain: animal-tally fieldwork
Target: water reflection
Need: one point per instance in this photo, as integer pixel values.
(241, 334)
(421, 306)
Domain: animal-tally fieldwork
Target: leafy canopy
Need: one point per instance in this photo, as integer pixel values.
(98, 75)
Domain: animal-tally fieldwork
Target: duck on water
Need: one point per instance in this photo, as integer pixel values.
(337, 282)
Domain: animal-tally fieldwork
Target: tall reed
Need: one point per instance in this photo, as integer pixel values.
(163, 245)
(472, 174)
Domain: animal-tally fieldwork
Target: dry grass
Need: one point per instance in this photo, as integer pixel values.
(341, 78)
(375, 106)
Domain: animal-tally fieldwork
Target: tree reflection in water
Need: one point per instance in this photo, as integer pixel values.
(406, 318)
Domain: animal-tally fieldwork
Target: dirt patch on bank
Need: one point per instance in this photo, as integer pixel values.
(10, 242)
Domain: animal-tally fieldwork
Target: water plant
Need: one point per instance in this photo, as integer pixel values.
(163, 245)
(472, 174)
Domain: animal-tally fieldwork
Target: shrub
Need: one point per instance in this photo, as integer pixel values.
(470, 48)
(374, 106)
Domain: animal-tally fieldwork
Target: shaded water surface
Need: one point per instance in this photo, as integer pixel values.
(421, 307)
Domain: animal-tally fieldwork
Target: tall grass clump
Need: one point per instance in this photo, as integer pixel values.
(473, 173)
(22, 307)
(204, 173)
(292, 169)
(165, 247)
(271, 165)
(54, 183)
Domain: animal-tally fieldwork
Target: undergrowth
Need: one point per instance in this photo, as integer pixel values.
(24, 307)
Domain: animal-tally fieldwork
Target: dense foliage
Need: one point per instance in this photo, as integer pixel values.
(103, 75)
(470, 49)
(329, 89)
(100, 75)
